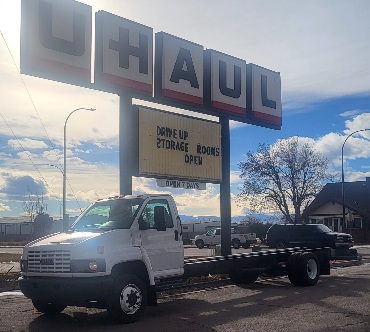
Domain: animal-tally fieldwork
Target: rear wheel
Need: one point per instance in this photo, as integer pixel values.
(310, 269)
(128, 299)
(246, 245)
(48, 308)
(303, 269)
(199, 244)
(292, 269)
(235, 243)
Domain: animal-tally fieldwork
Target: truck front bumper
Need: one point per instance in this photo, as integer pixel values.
(68, 291)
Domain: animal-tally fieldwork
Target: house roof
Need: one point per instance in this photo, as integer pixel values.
(356, 197)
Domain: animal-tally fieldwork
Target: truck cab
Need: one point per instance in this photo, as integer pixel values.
(139, 236)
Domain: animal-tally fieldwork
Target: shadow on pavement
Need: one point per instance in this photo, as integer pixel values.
(274, 301)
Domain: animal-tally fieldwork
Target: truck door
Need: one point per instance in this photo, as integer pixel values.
(213, 236)
(217, 237)
(161, 238)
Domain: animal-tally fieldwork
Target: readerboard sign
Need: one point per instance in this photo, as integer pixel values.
(178, 146)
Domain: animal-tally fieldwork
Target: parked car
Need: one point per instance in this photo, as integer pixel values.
(306, 235)
(213, 237)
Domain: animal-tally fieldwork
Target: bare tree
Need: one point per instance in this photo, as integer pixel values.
(34, 205)
(285, 176)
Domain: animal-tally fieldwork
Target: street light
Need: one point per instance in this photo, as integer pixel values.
(61, 171)
(344, 209)
(65, 221)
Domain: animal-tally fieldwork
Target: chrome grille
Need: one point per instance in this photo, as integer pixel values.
(51, 261)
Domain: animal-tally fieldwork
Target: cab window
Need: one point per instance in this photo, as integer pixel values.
(211, 232)
(148, 213)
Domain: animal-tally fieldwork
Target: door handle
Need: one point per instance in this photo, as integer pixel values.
(176, 235)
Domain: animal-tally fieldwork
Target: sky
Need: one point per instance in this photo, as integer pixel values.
(321, 49)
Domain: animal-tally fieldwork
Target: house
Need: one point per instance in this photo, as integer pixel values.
(327, 208)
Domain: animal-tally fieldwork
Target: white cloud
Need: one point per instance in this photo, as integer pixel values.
(4, 207)
(235, 177)
(360, 122)
(351, 113)
(27, 143)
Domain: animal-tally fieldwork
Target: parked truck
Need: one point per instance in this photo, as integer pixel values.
(122, 250)
(191, 229)
(213, 237)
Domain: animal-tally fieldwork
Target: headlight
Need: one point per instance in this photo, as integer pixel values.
(87, 265)
(24, 265)
(93, 266)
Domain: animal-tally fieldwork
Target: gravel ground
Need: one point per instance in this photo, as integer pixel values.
(9, 282)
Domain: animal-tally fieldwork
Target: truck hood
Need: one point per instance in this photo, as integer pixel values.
(344, 235)
(64, 238)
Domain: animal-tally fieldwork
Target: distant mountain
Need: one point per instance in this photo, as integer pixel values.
(235, 219)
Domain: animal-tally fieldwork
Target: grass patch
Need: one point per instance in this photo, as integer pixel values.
(7, 257)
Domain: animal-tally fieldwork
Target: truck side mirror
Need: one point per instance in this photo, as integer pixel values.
(142, 224)
(160, 218)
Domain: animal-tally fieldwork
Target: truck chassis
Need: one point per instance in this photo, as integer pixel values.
(127, 292)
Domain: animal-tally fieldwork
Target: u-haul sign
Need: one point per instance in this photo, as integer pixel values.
(182, 147)
(56, 38)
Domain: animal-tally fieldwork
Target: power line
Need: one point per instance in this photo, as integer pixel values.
(29, 157)
(38, 115)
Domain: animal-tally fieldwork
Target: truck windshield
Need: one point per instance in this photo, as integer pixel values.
(108, 215)
(323, 228)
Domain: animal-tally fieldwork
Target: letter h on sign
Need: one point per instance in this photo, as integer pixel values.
(124, 53)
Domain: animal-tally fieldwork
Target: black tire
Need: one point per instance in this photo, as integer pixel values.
(235, 243)
(303, 269)
(242, 277)
(128, 299)
(310, 268)
(293, 270)
(246, 245)
(199, 244)
(48, 308)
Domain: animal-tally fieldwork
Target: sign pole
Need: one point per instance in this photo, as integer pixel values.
(225, 198)
(126, 143)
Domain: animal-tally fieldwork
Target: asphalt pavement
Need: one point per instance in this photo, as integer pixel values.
(339, 302)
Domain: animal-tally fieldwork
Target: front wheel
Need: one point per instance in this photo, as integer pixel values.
(48, 308)
(199, 244)
(128, 299)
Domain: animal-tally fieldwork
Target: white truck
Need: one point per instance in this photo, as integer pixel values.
(213, 237)
(191, 229)
(122, 250)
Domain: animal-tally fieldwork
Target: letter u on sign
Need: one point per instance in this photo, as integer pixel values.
(56, 40)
